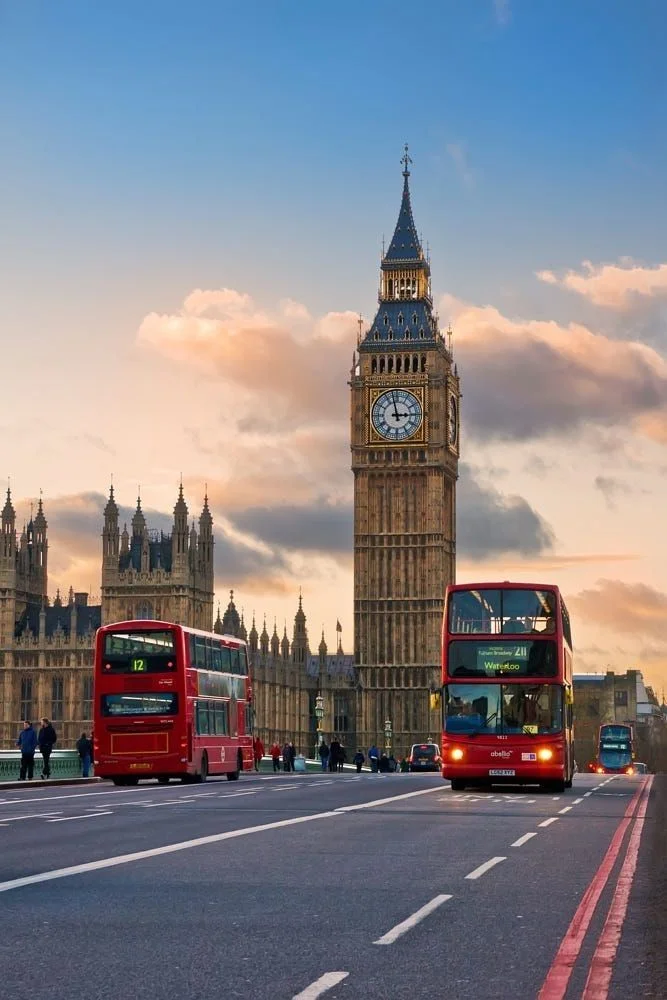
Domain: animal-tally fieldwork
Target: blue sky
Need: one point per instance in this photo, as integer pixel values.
(154, 148)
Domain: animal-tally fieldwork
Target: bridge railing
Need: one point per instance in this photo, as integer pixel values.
(64, 764)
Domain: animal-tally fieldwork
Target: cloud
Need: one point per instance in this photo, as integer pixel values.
(610, 285)
(611, 488)
(627, 608)
(458, 151)
(526, 379)
(286, 366)
(490, 522)
(502, 12)
(75, 548)
(321, 526)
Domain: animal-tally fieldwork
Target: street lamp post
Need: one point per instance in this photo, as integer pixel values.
(388, 734)
(319, 715)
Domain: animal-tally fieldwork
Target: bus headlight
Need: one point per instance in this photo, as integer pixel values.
(545, 754)
(456, 753)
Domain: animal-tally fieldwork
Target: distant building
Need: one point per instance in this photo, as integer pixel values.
(623, 698)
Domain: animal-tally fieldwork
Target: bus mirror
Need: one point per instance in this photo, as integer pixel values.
(569, 700)
(435, 701)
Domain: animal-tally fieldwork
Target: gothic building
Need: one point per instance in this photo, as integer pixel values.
(46, 649)
(287, 678)
(150, 574)
(405, 448)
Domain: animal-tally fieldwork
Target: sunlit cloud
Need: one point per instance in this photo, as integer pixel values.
(458, 152)
(626, 608)
(611, 285)
(527, 379)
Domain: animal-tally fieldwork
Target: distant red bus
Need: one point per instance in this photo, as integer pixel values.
(170, 702)
(507, 686)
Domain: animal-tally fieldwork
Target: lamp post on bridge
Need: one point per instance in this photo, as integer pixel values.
(388, 735)
(319, 715)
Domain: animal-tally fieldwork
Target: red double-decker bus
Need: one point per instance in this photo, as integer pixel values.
(170, 702)
(507, 686)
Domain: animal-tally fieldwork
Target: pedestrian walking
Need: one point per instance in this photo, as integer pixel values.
(85, 749)
(358, 760)
(334, 755)
(292, 756)
(46, 740)
(324, 755)
(257, 751)
(275, 755)
(27, 742)
(374, 758)
(286, 756)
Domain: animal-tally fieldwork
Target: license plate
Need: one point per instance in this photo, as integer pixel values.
(141, 767)
(502, 774)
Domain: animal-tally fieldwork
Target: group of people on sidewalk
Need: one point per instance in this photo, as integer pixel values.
(29, 742)
(332, 757)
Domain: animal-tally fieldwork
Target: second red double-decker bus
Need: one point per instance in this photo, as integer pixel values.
(170, 702)
(507, 686)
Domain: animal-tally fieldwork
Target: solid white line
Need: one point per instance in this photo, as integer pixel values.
(287, 788)
(491, 863)
(565, 809)
(117, 805)
(174, 802)
(577, 801)
(321, 985)
(235, 795)
(66, 819)
(523, 840)
(411, 921)
(14, 819)
(204, 795)
(185, 845)
(548, 822)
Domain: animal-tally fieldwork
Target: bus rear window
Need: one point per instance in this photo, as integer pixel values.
(139, 652)
(157, 703)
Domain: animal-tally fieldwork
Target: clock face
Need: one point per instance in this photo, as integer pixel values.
(453, 419)
(397, 414)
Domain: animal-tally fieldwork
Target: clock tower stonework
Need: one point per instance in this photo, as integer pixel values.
(405, 450)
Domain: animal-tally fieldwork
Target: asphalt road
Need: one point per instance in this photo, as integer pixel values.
(381, 887)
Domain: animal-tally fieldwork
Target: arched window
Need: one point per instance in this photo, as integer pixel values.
(398, 364)
(381, 365)
(144, 611)
(423, 363)
(400, 319)
(374, 366)
(390, 365)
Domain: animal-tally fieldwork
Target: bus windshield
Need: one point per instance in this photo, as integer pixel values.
(139, 652)
(615, 758)
(520, 658)
(508, 612)
(503, 709)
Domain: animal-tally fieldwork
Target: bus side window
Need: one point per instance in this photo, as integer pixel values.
(244, 661)
(566, 623)
(221, 713)
(226, 660)
(202, 718)
(200, 653)
(236, 662)
(209, 653)
(216, 663)
(193, 651)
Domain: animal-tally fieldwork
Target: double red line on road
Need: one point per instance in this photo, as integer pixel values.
(599, 976)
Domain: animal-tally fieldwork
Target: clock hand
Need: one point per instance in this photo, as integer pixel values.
(393, 396)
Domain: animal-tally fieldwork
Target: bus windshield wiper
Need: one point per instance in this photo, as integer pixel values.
(476, 732)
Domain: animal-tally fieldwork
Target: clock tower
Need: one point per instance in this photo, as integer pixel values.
(405, 450)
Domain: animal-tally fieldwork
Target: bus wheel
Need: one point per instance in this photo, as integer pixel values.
(163, 780)
(458, 784)
(234, 775)
(568, 784)
(118, 781)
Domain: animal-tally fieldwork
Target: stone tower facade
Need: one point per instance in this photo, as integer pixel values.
(405, 448)
(23, 567)
(151, 574)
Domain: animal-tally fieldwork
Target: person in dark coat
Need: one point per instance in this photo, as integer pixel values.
(46, 740)
(334, 755)
(85, 749)
(27, 742)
